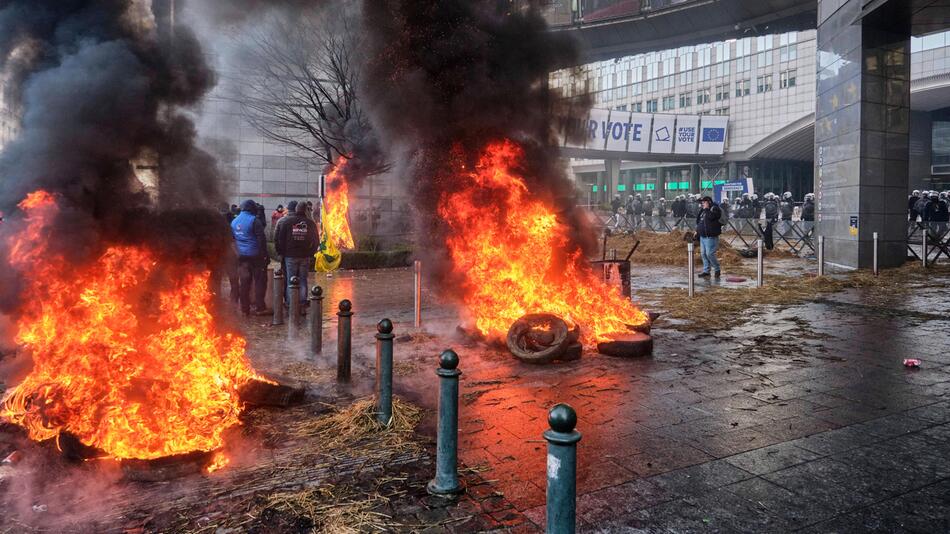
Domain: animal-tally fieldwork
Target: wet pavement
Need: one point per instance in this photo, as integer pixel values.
(803, 418)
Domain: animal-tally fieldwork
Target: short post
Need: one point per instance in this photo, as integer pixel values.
(446, 481)
(759, 265)
(562, 470)
(343, 342)
(293, 304)
(316, 320)
(923, 256)
(691, 267)
(613, 254)
(874, 264)
(384, 372)
(417, 292)
(821, 255)
(278, 297)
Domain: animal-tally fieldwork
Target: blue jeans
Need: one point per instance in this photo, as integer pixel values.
(708, 247)
(299, 267)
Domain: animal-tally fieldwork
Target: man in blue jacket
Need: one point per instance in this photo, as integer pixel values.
(708, 228)
(251, 243)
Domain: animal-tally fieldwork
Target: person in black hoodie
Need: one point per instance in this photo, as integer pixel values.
(296, 242)
(708, 229)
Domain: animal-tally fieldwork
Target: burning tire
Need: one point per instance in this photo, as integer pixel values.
(632, 345)
(539, 338)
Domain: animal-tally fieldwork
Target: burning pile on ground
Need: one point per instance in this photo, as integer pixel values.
(127, 358)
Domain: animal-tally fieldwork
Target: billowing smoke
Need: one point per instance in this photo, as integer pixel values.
(104, 88)
(449, 76)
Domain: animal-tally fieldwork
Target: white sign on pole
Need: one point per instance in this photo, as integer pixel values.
(687, 130)
(712, 134)
(661, 142)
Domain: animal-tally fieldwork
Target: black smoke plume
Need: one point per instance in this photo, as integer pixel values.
(449, 76)
(104, 86)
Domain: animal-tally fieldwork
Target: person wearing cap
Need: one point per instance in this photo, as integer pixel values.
(276, 215)
(708, 229)
(251, 243)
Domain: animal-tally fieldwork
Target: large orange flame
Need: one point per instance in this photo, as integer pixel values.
(135, 372)
(336, 221)
(513, 256)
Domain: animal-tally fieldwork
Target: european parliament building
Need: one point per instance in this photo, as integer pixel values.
(766, 87)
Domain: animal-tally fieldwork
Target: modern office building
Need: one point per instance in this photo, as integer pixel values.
(766, 85)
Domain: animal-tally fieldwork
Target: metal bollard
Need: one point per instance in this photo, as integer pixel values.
(923, 256)
(759, 265)
(562, 470)
(691, 267)
(316, 320)
(343, 342)
(446, 481)
(278, 297)
(613, 254)
(821, 255)
(874, 264)
(293, 304)
(384, 372)
(417, 292)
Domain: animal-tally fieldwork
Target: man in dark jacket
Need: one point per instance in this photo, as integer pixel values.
(297, 241)
(251, 246)
(808, 208)
(708, 228)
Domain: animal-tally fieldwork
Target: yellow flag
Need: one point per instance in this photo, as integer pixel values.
(328, 257)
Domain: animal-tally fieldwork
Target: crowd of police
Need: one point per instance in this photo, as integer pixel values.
(635, 210)
(929, 206)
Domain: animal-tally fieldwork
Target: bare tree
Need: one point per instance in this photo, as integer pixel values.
(301, 88)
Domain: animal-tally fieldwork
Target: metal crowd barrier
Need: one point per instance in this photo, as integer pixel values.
(936, 244)
(798, 237)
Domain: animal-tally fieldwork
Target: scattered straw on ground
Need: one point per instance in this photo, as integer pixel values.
(719, 308)
(347, 426)
(667, 248)
(334, 510)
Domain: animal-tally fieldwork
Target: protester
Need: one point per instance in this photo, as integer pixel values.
(276, 215)
(708, 229)
(251, 243)
(297, 241)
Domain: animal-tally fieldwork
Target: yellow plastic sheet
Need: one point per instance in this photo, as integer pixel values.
(328, 257)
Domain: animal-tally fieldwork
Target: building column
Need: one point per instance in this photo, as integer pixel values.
(695, 177)
(862, 131)
(660, 183)
(612, 178)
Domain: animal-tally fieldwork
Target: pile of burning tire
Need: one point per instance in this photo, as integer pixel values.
(544, 338)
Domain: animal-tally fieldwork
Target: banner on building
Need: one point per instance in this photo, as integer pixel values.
(661, 142)
(623, 131)
(732, 189)
(686, 134)
(712, 134)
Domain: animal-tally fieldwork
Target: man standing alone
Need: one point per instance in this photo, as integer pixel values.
(708, 228)
(248, 232)
(296, 243)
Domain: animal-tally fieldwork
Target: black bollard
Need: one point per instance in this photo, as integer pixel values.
(278, 298)
(343, 342)
(446, 482)
(316, 320)
(293, 289)
(384, 372)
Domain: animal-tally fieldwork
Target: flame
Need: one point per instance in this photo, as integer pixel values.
(336, 222)
(133, 371)
(218, 461)
(513, 256)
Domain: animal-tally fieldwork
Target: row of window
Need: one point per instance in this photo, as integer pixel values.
(787, 78)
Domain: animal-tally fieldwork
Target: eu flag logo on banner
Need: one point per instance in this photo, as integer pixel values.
(714, 135)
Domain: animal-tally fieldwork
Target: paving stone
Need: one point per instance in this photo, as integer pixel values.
(772, 458)
(699, 479)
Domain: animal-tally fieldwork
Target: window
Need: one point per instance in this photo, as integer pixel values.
(668, 82)
(636, 106)
(651, 106)
(669, 102)
(636, 90)
(722, 92)
(763, 83)
(744, 54)
(621, 108)
(788, 50)
(702, 96)
(686, 100)
(764, 47)
(686, 67)
(722, 59)
(787, 78)
(743, 87)
(721, 111)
